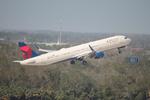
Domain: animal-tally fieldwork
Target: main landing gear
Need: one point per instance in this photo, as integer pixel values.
(84, 62)
(73, 61)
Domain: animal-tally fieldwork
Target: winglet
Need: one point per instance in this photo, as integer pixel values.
(91, 48)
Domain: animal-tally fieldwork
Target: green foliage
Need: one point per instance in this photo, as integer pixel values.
(103, 79)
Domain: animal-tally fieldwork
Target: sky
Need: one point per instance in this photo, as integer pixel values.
(113, 16)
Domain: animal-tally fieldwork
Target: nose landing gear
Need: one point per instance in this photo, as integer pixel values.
(119, 49)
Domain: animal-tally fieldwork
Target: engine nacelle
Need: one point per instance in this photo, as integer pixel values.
(99, 54)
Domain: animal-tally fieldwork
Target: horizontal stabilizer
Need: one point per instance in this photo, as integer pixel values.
(44, 50)
(17, 61)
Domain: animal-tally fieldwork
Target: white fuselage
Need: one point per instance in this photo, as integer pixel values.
(77, 51)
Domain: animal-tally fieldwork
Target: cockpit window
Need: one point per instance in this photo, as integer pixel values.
(125, 37)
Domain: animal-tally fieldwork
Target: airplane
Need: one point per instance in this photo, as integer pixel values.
(93, 49)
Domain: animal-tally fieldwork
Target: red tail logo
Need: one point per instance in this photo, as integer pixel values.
(27, 51)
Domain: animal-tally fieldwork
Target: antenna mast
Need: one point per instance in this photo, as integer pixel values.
(59, 36)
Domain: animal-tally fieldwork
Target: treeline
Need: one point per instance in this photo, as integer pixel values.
(138, 40)
(112, 78)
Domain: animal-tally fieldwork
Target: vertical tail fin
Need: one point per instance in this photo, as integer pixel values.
(27, 51)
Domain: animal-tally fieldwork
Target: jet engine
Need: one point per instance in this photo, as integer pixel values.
(96, 54)
(99, 54)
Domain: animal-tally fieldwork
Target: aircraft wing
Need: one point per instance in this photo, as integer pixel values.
(43, 50)
(84, 54)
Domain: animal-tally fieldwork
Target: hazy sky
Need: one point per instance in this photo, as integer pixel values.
(128, 16)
